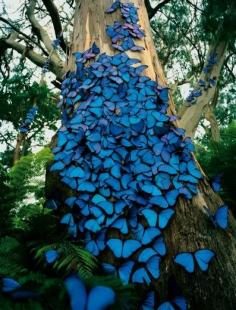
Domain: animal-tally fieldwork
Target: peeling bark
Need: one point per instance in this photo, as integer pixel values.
(191, 228)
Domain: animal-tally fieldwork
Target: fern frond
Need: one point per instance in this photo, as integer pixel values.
(72, 258)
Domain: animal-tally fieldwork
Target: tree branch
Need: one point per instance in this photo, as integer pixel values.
(36, 58)
(40, 31)
(152, 11)
(55, 17)
(23, 34)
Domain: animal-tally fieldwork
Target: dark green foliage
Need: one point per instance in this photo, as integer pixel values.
(219, 17)
(220, 157)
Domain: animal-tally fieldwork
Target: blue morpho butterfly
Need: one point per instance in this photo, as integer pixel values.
(171, 197)
(216, 183)
(123, 248)
(121, 224)
(51, 256)
(175, 299)
(157, 219)
(57, 166)
(159, 201)
(124, 271)
(68, 219)
(149, 301)
(146, 236)
(220, 217)
(158, 247)
(103, 203)
(151, 269)
(177, 303)
(99, 297)
(163, 181)
(187, 259)
(52, 204)
(9, 285)
(15, 290)
(95, 245)
(151, 189)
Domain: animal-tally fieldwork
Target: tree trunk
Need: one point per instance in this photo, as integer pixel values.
(17, 151)
(191, 228)
(191, 116)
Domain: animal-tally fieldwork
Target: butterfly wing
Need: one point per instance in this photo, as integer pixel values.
(125, 271)
(159, 246)
(100, 298)
(121, 224)
(130, 246)
(172, 196)
(51, 256)
(150, 216)
(146, 254)
(153, 266)
(77, 292)
(164, 217)
(166, 306)
(149, 302)
(180, 302)
(185, 260)
(116, 246)
(141, 276)
(221, 217)
(216, 183)
(203, 258)
(9, 285)
(150, 234)
(108, 268)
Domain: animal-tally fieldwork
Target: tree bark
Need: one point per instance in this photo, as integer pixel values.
(191, 228)
(17, 151)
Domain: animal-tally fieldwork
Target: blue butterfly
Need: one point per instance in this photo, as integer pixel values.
(177, 303)
(99, 297)
(122, 225)
(159, 201)
(125, 271)
(216, 183)
(147, 235)
(59, 165)
(159, 246)
(51, 256)
(171, 197)
(15, 290)
(103, 203)
(187, 259)
(162, 219)
(68, 219)
(151, 189)
(9, 285)
(220, 218)
(94, 246)
(123, 249)
(152, 268)
(149, 301)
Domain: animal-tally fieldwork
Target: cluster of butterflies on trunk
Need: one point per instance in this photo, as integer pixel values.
(203, 85)
(127, 163)
(30, 117)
